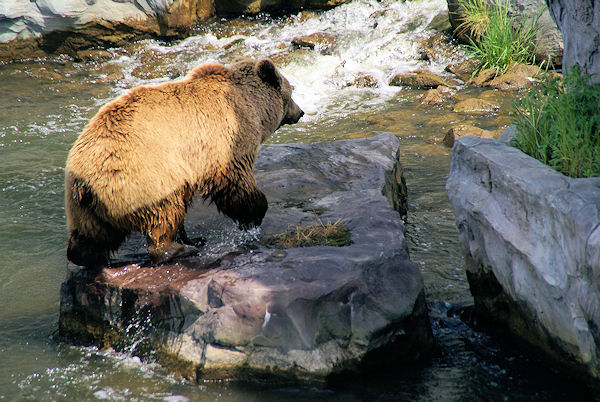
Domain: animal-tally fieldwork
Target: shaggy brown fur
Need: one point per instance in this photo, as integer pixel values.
(142, 158)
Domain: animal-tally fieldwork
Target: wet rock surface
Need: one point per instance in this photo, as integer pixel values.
(463, 69)
(254, 311)
(466, 130)
(437, 96)
(532, 242)
(322, 41)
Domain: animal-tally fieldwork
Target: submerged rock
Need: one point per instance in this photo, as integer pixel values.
(438, 47)
(364, 81)
(475, 106)
(467, 130)
(531, 237)
(255, 311)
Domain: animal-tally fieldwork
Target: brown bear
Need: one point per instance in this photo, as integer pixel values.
(139, 162)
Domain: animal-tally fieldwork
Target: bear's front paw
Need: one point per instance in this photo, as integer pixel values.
(254, 213)
(164, 253)
(247, 209)
(249, 225)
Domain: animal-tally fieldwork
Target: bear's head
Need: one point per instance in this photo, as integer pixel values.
(267, 71)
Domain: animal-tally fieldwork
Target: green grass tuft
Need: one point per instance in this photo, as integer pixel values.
(559, 124)
(476, 18)
(496, 40)
(316, 234)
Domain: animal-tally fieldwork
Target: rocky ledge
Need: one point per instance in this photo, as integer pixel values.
(253, 311)
(532, 243)
(39, 28)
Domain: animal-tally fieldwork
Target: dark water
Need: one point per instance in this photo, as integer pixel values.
(46, 103)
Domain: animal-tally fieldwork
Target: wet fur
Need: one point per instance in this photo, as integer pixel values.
(138, 164)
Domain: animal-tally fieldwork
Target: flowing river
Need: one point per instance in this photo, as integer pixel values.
(46, 104)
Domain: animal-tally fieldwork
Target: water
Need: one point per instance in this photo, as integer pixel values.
(47, 103)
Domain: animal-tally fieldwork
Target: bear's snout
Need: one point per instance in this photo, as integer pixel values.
(293, 115)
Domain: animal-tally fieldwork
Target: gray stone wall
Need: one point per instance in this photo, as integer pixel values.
(532, 241)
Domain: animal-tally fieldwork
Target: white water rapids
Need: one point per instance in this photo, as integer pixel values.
(371, 38)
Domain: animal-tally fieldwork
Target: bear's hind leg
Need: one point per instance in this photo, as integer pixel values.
(162, 224)
(82, 250)
(93, 251)
(91, 239)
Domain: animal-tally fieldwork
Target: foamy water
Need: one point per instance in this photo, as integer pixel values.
(371, 38)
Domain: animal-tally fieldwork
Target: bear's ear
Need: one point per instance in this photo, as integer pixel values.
(266, 70)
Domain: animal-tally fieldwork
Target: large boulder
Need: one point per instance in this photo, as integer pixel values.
(579, 23)
(548, 38)
(41, 27)
(252, 310)
(531, 237)
(38, 28)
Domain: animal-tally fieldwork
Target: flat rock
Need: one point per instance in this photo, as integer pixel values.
(421, 79)
(531, 237)
(246, 310)
(475, 106)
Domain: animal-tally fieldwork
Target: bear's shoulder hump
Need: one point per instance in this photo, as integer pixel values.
(207, 70)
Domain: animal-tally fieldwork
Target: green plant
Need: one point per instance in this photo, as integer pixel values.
(559, 124)
(476, 18)
(496, 40)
